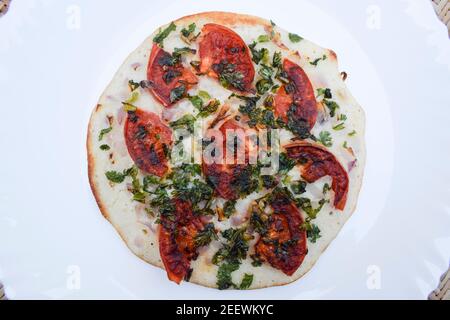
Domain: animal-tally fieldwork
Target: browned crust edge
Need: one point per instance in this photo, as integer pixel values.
(227, 18)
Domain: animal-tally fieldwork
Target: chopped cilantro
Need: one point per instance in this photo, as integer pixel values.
(313, 233)
(205, 236)
(229, 208)
(316, 61)
(187, 121)
(188, 34)
(295, 37)
(259, 55)
(246, 281)
(332, 106)
(326, 188)
(263, 38)
(326, 92)
(325, 138)
(339, 126)
(224, 280)
(177, 93)
(105, 147)
(159, 38)
(103, 132)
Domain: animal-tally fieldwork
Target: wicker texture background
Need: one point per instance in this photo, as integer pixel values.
(442, 8)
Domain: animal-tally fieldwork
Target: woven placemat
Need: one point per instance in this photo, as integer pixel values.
(443, 290)
(442, 8)
(2, 292)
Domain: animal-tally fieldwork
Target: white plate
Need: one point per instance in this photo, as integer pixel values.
(58, 56)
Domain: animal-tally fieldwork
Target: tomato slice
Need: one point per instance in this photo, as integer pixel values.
(283, 246)
(228, 179)
(177, 240)
(148, 140)
(316, 163)
(165, 74)
(224, 54)
(298, 93)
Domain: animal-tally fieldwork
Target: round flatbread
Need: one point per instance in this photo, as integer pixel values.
(227, 225)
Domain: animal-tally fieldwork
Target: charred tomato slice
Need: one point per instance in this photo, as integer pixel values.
(283, 245)
(224, 55)
(177, 240)
(168, 79)
(295, 102)
(148, 141)
(229, 180)
(316, 162)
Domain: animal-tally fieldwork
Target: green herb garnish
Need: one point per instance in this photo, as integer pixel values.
(159, 38)
(339, 126)
(205, 236)
(325, 138)
(103, 132)
(295, 37)
(177, 93)
(246, 281)
(105, 147)
(316, 61)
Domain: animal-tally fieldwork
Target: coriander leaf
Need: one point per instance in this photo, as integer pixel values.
(263, 85)
(229, 208)
(104, 147)
(326, 188)
(187, 31)
(128, 107)
(188, 35)
(316, 61)
(339, 126)
(196, 101)
(205, 236)
(133, 85)
(159, 38)
(276, 60)
(285, 163)
(204, 95)
(178, 52)
(295, 37)
(118, 177)
(314, 233)
(224, 280)
(229, 76)
(246, 281)
(177, 93)
(332, 106)
(326, 92)
(103, 132)
(259, 55)
(306, 206)
(263, 38)
(187, 121)
(325, 138)
(256, 260)
(298, 187)
(352, 133)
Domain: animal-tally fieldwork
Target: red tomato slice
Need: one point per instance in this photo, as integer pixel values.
(177, 241)
(223, 176)
(221, 48)
(316, 163)
(165, 77)
(148, 140)
(301, 94)
(283, 246)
